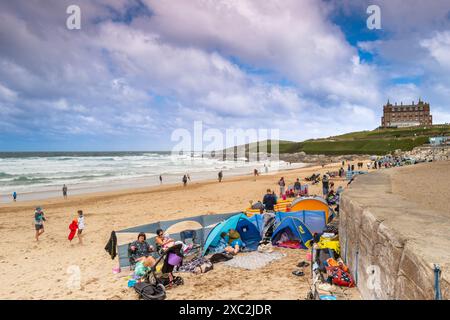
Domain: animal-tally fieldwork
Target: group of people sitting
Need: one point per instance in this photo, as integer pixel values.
(292, 190)
(141, 250)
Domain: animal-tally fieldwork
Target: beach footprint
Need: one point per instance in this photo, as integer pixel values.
(92, 280)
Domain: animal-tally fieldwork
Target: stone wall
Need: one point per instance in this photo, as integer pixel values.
(390, 244)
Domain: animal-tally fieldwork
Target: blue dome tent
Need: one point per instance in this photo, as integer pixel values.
(315, 221)
(248, 230)
(294, 228)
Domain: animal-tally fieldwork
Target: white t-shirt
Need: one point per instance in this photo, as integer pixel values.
(81, 222)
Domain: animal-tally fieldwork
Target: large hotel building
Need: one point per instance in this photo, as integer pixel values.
(406, 115)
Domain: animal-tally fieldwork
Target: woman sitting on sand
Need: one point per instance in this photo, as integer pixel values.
(234, 241)
(223, 245)
(140, 248)
(165, 242)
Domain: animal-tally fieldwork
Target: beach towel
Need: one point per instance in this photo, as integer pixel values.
(191, 265)
(326, 243)
(253, 260)
(291, 244)
(73, 229)
(111, 246)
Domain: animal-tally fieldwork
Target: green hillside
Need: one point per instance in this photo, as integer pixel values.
(376, 142)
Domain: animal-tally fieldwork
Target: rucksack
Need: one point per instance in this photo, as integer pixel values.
(147, 291)
(340, 277)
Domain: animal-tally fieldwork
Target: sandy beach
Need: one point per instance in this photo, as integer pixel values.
(31, 270)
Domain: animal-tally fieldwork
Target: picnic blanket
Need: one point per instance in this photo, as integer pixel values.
(253, 260)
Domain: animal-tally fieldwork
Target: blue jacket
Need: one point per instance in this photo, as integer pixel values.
(269, 201)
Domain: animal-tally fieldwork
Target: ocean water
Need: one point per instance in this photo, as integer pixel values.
(41, 175)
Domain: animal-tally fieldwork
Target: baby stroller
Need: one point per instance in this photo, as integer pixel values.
(172, 257)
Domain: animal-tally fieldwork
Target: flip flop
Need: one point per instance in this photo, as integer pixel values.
(302, 264)
(298, 273)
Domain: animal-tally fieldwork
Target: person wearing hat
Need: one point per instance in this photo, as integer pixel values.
(39, 222)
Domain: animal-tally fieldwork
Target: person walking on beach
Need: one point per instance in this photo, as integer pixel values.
(325, 185)
(80, 226)
(160, 179)
(297, 187)
(14, 195)
(255, 173)
(189, 177)
(282, 185)
(220, 175)
(185, 179)
(39, 222)
(64, 191)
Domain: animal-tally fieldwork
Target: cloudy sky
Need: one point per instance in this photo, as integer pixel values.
(139, 69)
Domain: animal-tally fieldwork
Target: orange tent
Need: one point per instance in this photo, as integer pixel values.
(311, 204)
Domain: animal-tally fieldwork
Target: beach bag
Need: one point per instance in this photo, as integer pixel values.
(174, 259)
(147, 291)
(203, 268)
(339, 277)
